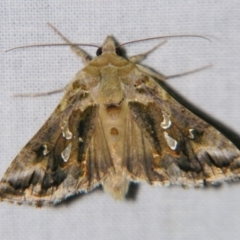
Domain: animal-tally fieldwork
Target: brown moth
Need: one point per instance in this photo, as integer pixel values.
(116, 124)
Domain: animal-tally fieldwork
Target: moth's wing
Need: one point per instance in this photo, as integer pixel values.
(61, 159)
(168, 144)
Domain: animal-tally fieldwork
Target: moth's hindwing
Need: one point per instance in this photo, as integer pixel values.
(116, 124)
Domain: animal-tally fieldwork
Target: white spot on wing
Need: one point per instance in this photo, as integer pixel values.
(45, 150)
(191, 133)
(66, 152)
(66, 132)
(166, 123)
(172, 143)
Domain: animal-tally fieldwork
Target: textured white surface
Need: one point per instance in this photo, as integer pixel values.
(157, 212)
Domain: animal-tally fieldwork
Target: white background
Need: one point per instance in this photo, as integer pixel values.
(157, 212)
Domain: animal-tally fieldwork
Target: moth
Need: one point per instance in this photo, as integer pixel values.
(117, 124)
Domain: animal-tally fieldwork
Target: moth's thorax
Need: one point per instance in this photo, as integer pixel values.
(110, 69)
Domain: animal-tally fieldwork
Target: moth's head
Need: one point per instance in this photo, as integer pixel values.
(109, 46)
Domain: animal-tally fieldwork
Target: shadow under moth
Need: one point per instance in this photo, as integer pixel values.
(115, 125)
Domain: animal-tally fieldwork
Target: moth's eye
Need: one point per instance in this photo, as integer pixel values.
(99, 51)
(118, 51)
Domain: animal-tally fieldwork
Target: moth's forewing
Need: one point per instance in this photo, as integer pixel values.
(188, 151)
(42, 172)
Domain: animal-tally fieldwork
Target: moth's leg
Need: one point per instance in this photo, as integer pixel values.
(189, 72)
(150, 72)
(38, 94)
(76, 49)
(162, 77)
(139, 57)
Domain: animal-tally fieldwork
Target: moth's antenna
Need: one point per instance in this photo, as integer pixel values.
(161, 37)
(54, 45)
(93, 45)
